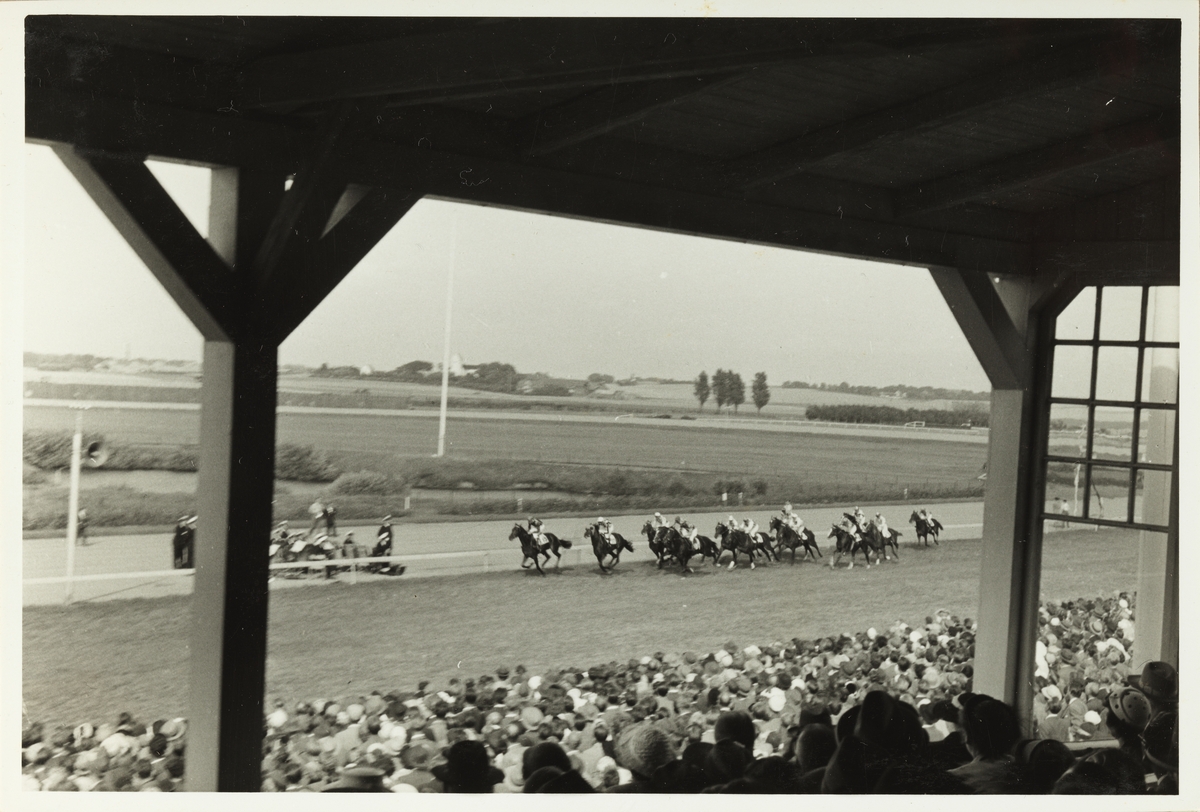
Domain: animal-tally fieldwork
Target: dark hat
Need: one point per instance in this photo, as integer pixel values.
(467, 768)
(643, 749)
(1159, 681)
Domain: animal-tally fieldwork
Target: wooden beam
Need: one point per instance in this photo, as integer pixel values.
(130, 126)
(312, 197)
(491, 182)
(608, 109)
(598, 188)
(529, 55)
(985, 323)
(335, 254)
(161, 235)
(1143, 262)
(986, 89)
(981, 182)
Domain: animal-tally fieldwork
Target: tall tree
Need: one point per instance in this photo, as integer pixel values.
(737, 390)
(760, 392)
(702, 389)
(720, 388)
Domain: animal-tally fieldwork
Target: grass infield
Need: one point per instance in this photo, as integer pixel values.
(88, 662)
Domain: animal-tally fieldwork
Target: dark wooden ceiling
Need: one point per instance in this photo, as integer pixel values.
(960, 142)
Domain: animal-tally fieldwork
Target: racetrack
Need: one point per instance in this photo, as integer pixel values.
(92, 660)
(46, 557)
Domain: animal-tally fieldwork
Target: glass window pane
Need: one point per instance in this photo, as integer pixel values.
(1112, 438)
(1072, 372)
(1060, 486)
(1109, 494)
(1162, 315)
(1120, 314)
(1160, 375)
(1116, 373)
(1068, 430)
(1085, 625)
(1078, 319)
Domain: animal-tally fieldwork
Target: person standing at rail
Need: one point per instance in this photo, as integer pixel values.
(317, 511)
(81, 527)
(383, 538)
(330, 517)
(179, 542)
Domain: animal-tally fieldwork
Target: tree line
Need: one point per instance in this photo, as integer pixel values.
(728, 389)
(899, 390)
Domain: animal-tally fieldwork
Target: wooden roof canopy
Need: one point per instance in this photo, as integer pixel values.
(978, 144)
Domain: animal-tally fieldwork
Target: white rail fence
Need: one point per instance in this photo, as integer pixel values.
(352, 564)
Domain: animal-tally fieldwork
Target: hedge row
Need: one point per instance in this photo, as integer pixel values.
(888, 415)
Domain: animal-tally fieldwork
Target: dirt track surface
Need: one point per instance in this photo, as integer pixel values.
(46, 557)
(92, 660)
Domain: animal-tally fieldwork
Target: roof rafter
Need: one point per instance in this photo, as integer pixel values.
(521, 56)
(1018, 170)
(985, 89)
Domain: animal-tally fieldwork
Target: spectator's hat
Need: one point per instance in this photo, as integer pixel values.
(531, 717)
(1159, 681)
(417, 755)
(174, 729)
(83, 732)
(1096, 625)
(467, 768)
(644, 748)
(1131, 707)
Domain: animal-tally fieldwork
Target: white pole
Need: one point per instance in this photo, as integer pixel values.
(446, 349)
(73, 503)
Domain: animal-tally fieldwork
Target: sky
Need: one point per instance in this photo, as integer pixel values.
(546, 294)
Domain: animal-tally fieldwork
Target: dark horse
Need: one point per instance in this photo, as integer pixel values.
(850, 541)
(926, 529)
(667, 543)
(531, 549)
(787, 536)
(603, 548)
(736, 541)
(657, 538)
(707, 548)
(882, 542)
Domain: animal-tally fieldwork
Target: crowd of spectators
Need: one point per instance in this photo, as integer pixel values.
(888, 711)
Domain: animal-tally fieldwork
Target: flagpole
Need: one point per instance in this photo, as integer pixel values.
(441, 451)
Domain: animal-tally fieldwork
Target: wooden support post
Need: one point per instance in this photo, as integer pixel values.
(229, 605)
(994, 314)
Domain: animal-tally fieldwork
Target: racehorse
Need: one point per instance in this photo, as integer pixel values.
(850, 541)
(874, 535)
(926, 529)
(735, 541)
(657, 538)
(555, 544)
(602, 547)
(530, 550)
(707, 548)
(786, 536)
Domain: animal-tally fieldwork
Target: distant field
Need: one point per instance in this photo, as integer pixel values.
(677, 398)
(672, 446)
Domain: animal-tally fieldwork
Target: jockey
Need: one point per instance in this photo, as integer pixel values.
(604, 526)
(751, 528)
(860, 518)
(678, 525)
(882, 524)
(535, 530)
(786, 514)
(796, 523)
(658, 521)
